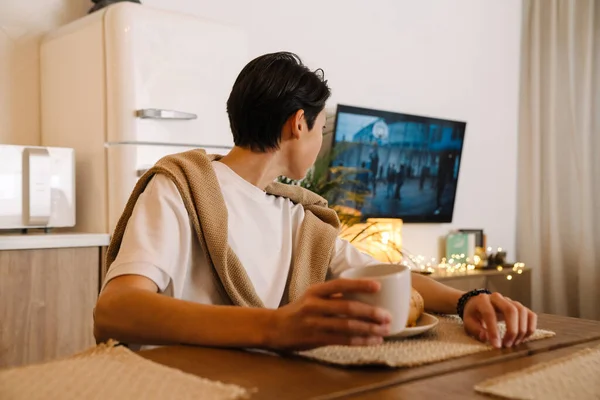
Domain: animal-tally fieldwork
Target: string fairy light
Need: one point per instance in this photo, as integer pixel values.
(382, 239)
(457, 264)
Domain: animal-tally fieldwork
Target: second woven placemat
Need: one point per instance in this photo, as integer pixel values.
(574, 377)
(447, 340)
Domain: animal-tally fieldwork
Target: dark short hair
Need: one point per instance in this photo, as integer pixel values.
(269, 90)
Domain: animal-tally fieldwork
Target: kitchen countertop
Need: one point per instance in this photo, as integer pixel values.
(15, 241)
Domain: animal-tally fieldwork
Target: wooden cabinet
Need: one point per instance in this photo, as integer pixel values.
(47, 298)
(507, 282)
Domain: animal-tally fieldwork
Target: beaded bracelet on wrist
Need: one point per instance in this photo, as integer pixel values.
(460, 306)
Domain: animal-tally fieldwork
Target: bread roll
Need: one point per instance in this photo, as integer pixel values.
(417, 307)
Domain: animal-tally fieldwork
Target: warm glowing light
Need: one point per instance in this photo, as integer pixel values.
(382, 239)
(520, 271)
(385, 237)
(509, 277)
(499, 268)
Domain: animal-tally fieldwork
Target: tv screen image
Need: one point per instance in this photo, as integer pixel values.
(407, 166)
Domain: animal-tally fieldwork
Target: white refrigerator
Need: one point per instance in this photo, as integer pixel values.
(127, 85)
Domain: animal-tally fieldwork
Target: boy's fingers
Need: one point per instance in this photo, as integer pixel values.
(523, 322)
(351, 309)
(335, 286)
(531, 323)
(483, 335)
(350, 327)
(488, 316)
(511, 317)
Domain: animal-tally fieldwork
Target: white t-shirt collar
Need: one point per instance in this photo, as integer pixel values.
(246, 187)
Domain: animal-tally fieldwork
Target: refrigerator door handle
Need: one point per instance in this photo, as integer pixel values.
(157, 113)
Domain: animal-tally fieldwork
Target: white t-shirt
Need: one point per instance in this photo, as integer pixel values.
(160, 244)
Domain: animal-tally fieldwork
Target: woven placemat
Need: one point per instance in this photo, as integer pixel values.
(576, 376)
(109, 372)
(447, 340)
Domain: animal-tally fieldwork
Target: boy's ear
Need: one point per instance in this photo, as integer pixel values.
(297, 124)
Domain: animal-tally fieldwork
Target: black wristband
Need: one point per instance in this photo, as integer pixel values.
(460, 306)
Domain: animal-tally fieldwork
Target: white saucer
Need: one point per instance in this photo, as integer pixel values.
(425, 323)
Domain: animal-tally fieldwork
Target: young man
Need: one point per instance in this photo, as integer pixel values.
(210, 251)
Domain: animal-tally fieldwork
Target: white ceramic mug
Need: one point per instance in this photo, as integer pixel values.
(394, 294)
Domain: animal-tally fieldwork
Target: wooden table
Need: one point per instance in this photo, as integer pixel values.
(459, 385)
(293, 378)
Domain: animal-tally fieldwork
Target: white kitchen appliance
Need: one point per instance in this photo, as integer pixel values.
(37, 187)
(129, 84)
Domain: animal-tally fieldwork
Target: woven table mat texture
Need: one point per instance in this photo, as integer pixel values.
(576, 377)
(110, 372)
(447, 340)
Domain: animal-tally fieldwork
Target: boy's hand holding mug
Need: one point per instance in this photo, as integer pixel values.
(361, 308)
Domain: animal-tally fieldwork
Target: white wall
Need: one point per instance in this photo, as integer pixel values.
(455, 59)
(22, 24)
(451, 59)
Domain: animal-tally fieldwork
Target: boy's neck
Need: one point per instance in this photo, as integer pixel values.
(260, 169)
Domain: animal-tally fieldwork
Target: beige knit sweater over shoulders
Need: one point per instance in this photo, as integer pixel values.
(194, 177)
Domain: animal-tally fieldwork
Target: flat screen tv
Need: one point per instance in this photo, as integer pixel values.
(404, 166)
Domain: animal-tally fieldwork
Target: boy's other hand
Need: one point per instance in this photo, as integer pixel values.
(482, 313)
(322, 317)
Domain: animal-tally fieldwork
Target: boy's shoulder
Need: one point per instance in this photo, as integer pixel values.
(160, 185)
(297, 194)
